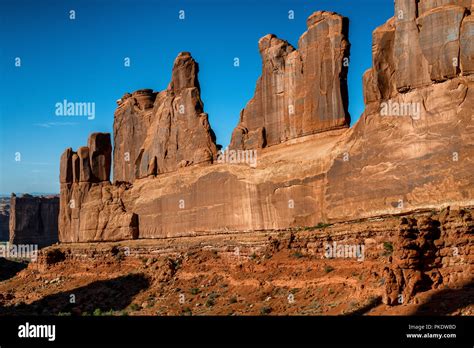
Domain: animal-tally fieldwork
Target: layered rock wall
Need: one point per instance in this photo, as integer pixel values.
(34, 220)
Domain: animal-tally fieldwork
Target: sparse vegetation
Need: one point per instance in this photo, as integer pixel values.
(187, 311)
(388, 248)
(265, 310)
(117, 253)
(298, 255)
(194, 291)
(134, 307)
(175, 264)
(233, 300)
(328, 269)
(323, 225)
(211, 300)
(98, 312)
(320, 225)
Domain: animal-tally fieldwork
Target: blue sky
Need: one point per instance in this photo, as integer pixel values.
(82, 60)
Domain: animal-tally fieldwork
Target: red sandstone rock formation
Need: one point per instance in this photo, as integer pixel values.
(424, 43)
(34, 220)
(422, 154)
(428, 252)
(157, 133)
(384, 165)
(4, 219)
(302, 91)
(90, 207)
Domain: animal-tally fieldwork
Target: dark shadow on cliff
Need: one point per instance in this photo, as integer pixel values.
(367, 308)
(448, 301)
(95, 298)
(8, 269)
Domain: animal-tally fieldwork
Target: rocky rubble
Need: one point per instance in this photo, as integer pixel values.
(259, 273)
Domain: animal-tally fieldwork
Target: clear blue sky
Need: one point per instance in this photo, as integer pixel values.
(82, 60)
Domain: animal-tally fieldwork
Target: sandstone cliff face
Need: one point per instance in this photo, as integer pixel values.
(302, 91)
(413, 146)
(34, 220)
(4, 219)
(91, 208)
(156, 133)
(424, 43)
(388, 163)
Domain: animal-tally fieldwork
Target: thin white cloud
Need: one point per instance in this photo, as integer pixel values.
(55, 124)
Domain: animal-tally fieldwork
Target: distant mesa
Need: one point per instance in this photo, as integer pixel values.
(4, 219)
(33, 220)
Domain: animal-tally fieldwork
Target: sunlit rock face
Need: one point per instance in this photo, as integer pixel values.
(156, 133)
(301, 91)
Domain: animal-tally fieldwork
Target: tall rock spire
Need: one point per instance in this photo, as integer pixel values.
(156, 133)
(302, 91)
